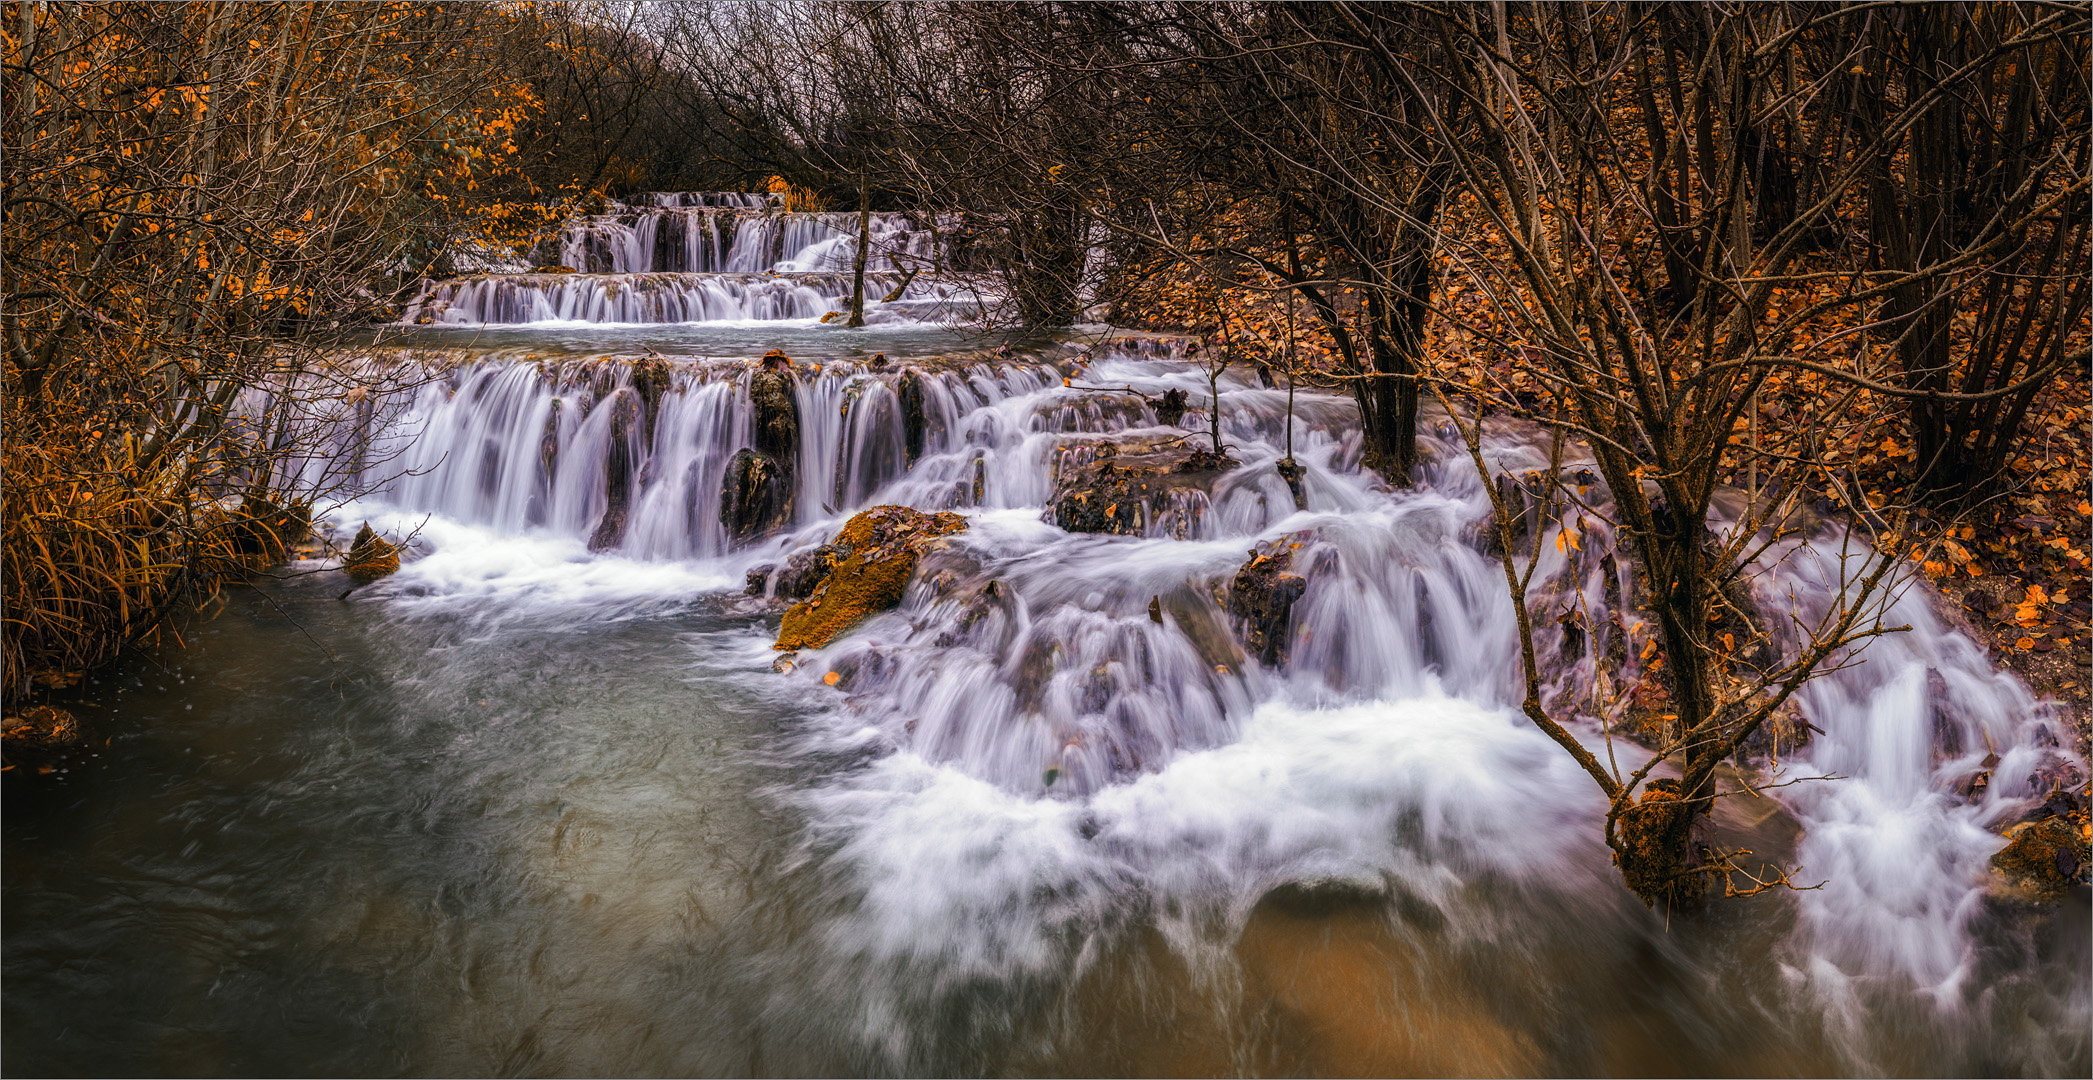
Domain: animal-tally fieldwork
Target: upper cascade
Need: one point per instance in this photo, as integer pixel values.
(707, 239)
(743, 234)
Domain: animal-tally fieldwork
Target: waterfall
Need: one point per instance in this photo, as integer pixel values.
(1077, 718)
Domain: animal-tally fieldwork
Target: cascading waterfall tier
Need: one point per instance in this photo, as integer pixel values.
(695, 257)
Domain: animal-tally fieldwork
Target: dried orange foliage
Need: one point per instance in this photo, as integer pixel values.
(199, 197)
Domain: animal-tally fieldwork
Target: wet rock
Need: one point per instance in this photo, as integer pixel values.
(650, 380)
(1133, 490)
(1292, 472)
(1170, 408)
(804, 571)
(370, 556)
(1782, 733)
(618, 479)
(915, 424)
(757, 580)
(2044, 859)
(1261, 601)
(755, 497)
(873, 558)
(774, 394)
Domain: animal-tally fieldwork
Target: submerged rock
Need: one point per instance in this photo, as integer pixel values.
(1261, 601)
(1170, 409)
(869, 567)
(370, 556)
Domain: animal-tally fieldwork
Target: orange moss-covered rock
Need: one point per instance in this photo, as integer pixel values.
(870, 563)
(370, 556)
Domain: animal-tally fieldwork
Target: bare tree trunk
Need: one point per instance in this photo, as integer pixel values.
(857, 274)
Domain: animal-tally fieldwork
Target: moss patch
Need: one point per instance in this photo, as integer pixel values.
(870, 564)
(1658, 857)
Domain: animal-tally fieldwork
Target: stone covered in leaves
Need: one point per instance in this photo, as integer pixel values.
(2045, 859)
(870, 564)
(1261, 601)
(1136, 489)
(370, 556)
(45, 726)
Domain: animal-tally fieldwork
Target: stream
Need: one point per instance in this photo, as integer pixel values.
(526, 807)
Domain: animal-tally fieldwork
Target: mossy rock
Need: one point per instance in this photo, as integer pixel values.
(870, 564)
(370, 556)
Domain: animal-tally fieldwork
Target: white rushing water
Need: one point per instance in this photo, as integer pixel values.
(1045, 756)
(694, 257)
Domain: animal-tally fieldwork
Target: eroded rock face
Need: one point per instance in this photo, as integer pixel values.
(915, 424)
(755, 497)
(1261, 601)
(370, 556)
(869, 567)
(1136, 490)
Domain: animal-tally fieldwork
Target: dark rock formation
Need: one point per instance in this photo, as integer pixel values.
(870, 565)
(757, 494)
(804, 571)
(1135, 490)
(1261, 601)
(1292, 471)
(650, 380)
(370, 556)
(914, 422)
(1171, 408)
(755, 498)
(772, 390)
(617, 478)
